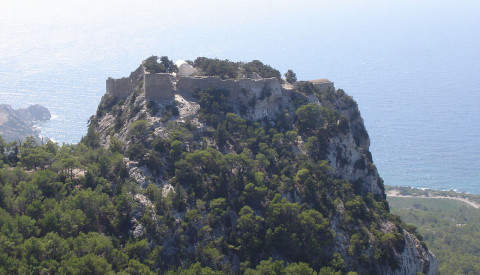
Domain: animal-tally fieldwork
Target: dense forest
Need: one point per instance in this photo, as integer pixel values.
(232, 195)
(68, 209)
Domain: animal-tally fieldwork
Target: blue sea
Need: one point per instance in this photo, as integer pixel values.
(412, 66)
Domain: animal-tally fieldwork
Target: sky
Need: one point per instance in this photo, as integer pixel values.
(77, 32)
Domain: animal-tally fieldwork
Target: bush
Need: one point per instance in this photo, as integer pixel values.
(215, 67)
(169, 111)
(151, 65)
(136, 151)
(152, 107)
(261, 69)
(290, 76)
(228, 69)
(213, 104)
(165, 66)
(309, 117)
(307, 87)
(139, 130)
(106, 104)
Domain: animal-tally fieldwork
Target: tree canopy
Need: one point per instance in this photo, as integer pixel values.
(152, 65)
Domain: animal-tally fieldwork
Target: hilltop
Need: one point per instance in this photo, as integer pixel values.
(233, 141)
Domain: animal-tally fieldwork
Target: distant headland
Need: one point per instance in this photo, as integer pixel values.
(17, 124)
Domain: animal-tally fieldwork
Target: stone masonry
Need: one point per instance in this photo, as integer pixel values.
(162, 87)
(158, 87)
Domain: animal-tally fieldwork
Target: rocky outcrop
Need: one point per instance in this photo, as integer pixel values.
(262, 100)
(35, 113)
(416, 257)
(412, 257)
(18, 124)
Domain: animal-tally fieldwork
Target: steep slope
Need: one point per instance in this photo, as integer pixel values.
(237, 171)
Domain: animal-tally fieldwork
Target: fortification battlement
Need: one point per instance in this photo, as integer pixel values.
(158, 87)
(244, 87)
(120, 88)
(123, 87)
(163, 86)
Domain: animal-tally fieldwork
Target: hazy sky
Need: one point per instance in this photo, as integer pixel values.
(82, 31)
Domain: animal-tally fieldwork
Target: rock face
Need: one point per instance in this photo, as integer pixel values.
(346, 151)
(415, 257)
(35, 113)
(18, 124)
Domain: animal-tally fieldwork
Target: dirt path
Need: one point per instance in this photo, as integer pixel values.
(394, 193)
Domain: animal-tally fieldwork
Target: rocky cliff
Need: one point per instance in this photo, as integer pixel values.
(256, 143)
(18, 124)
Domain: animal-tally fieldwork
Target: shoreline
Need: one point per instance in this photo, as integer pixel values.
(395, 194)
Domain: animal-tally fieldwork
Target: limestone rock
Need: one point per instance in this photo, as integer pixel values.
(35, 113)
(260, 99)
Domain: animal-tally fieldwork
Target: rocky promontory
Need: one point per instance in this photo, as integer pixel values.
(17, 124)
(248, 167)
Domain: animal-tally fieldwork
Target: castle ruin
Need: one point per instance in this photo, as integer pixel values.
(162, 87)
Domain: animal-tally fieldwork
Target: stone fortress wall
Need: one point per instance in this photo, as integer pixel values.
(244, 87)
(158, 87)
(120, 87)
(162, 87)
(123, 87)
(241, 92)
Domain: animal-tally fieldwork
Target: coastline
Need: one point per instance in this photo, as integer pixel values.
(396, 193)
(18, 124)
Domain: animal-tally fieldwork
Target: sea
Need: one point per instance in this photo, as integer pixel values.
(412, 66)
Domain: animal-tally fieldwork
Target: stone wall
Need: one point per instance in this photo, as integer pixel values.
(161, 87)
(267, 93)
(158, 87)
(123, 87)
(189, 84)
(120, 87)
(257, 86)
(244, 88)
(325, 86)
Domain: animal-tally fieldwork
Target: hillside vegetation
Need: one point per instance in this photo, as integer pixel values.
(450, 228)
(57, 218)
